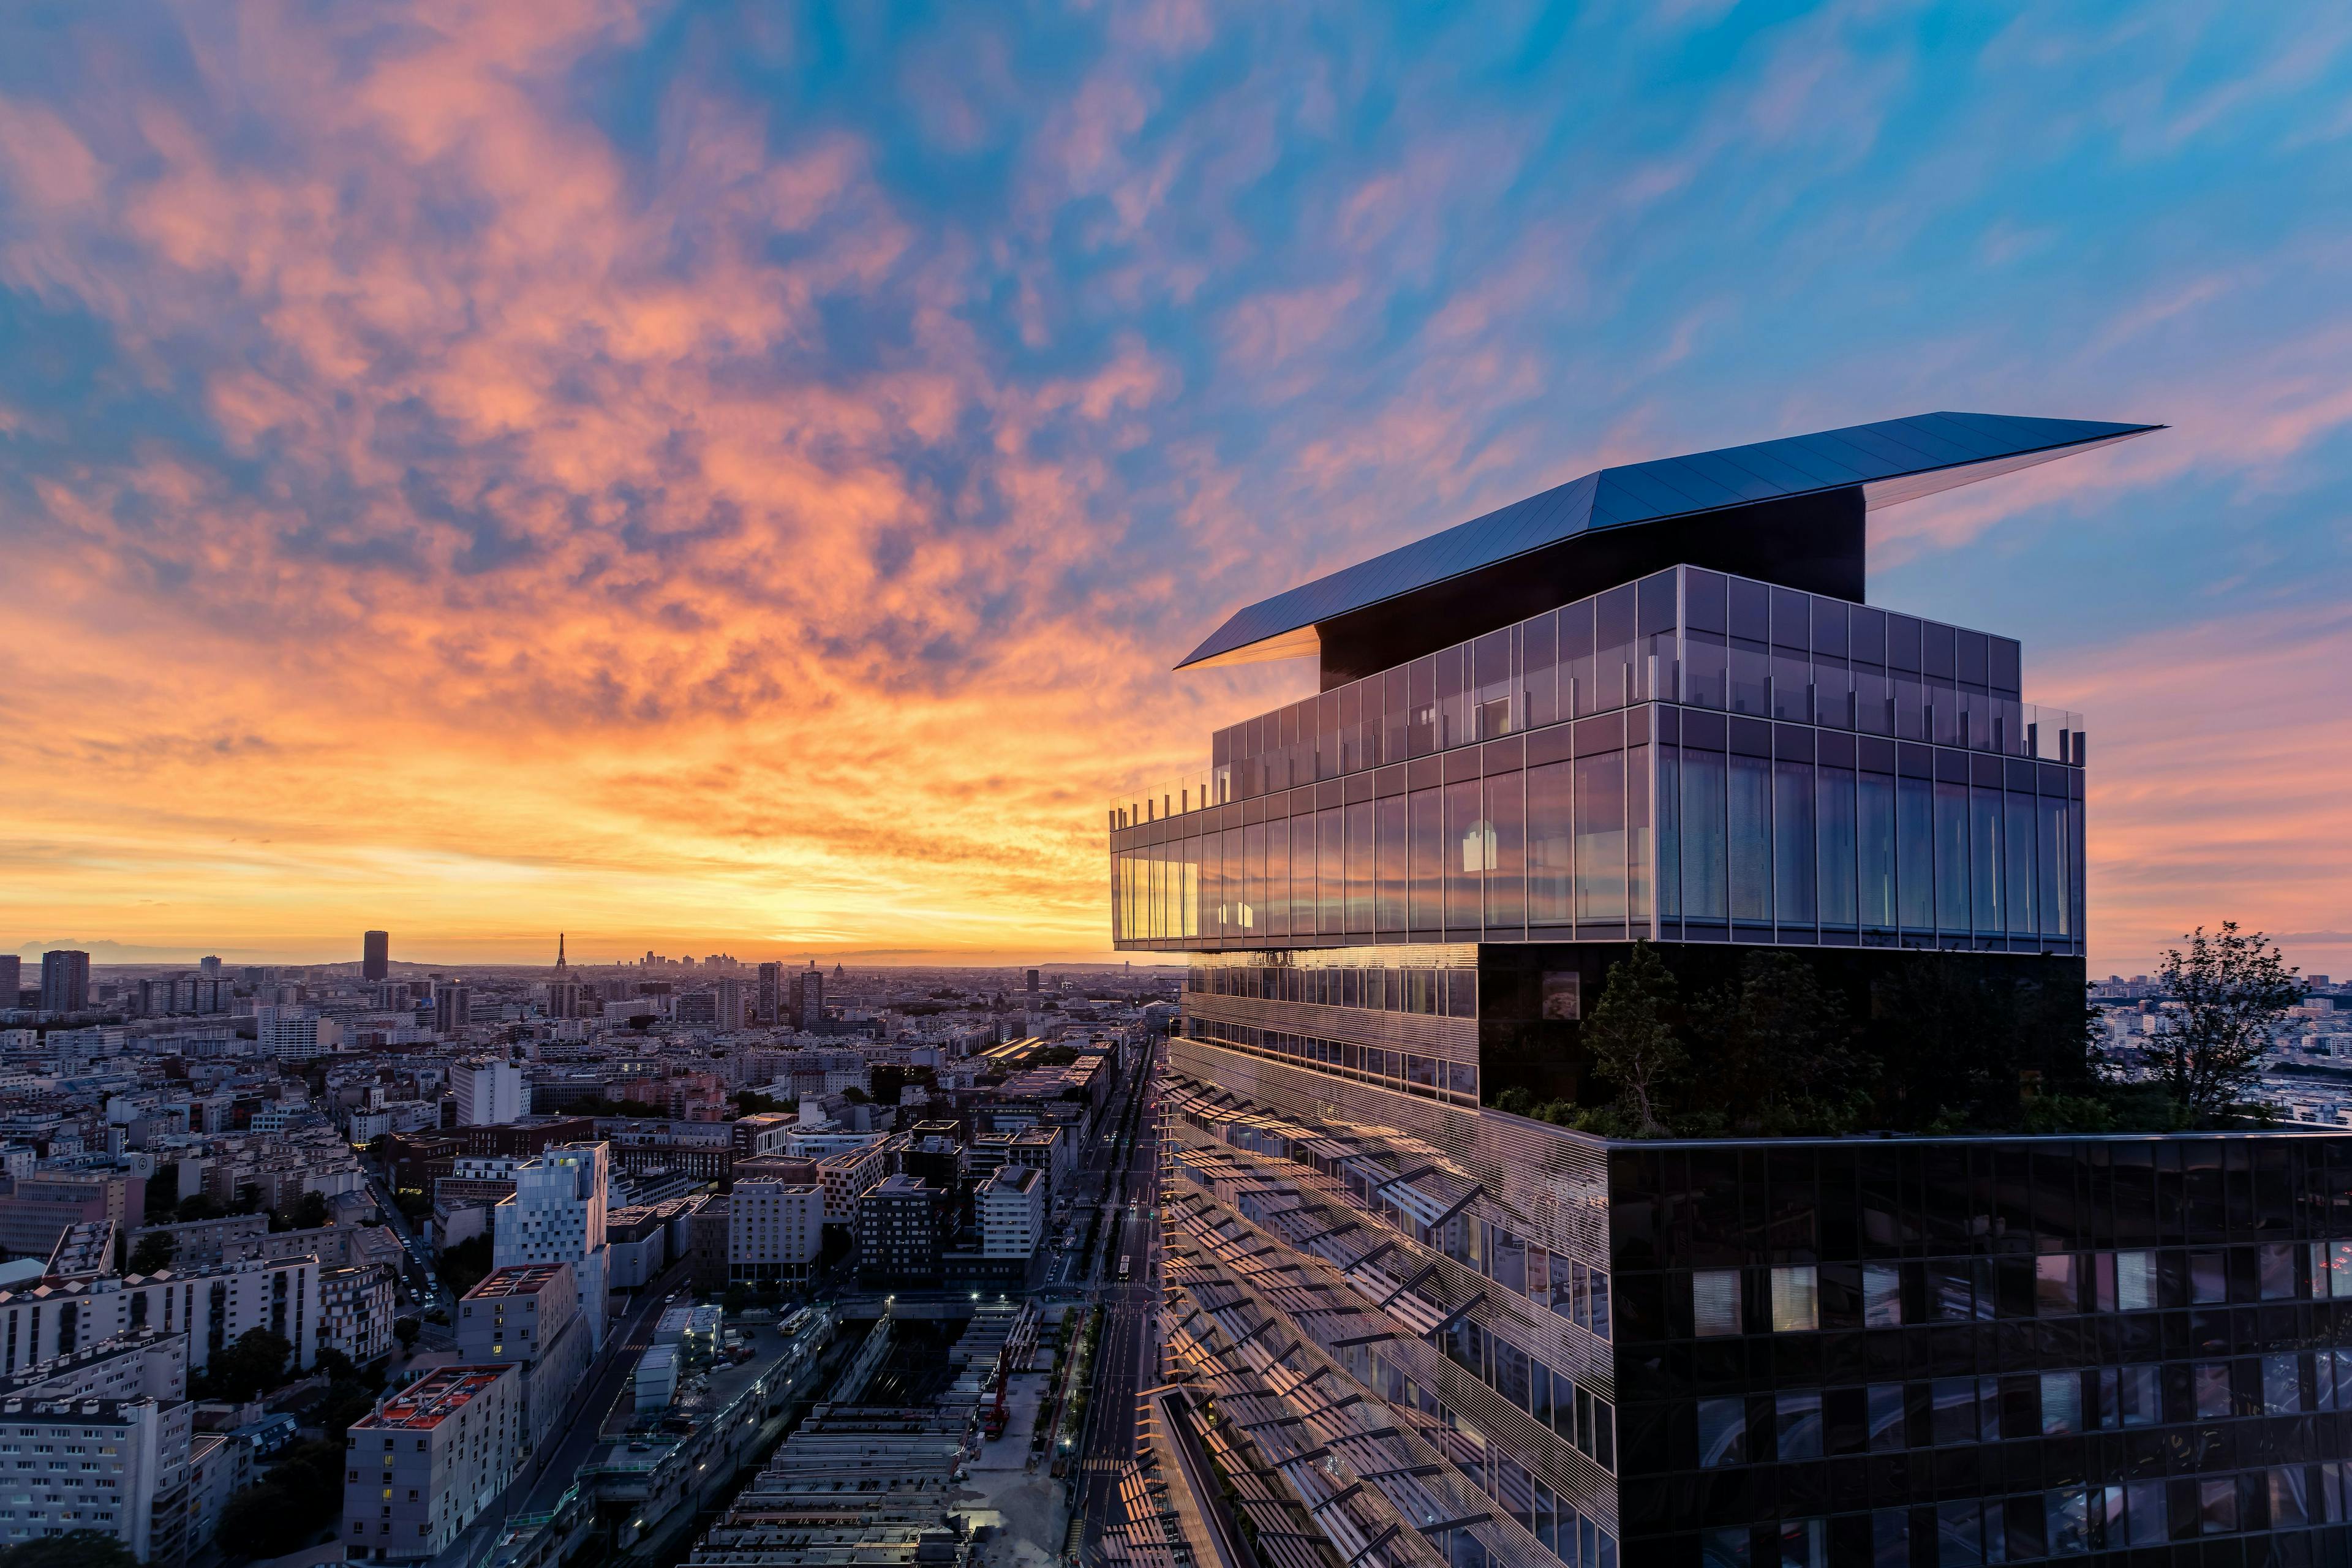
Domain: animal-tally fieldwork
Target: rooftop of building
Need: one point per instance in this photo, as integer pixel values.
(898, 1186)
(83, 1250)
(516, 1280)
(1888, 462)
(136, 1342)
(431, 1399)
(115, 1412)
(1020, 1178)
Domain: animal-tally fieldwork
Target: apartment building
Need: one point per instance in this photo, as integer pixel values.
(527, 1315)
(429, 1459)
(557, 1215)
(775, 1230)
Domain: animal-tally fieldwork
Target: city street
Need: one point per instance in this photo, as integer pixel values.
(1127, 1358)
(607, 1375)
(552, 1467)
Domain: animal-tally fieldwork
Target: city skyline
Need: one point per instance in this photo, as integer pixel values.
(679, 474)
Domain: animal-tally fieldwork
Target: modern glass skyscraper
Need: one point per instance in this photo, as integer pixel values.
(1652, 704)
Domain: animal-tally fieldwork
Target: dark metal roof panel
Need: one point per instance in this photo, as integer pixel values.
(1666, 488)
(1742, 481)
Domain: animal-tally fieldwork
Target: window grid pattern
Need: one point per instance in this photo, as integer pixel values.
(1937, 1352)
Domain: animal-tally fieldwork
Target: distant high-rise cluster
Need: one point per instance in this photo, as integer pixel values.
(375, 956)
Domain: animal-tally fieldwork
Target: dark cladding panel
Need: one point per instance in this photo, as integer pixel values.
(1812, 542)
(1898, 457)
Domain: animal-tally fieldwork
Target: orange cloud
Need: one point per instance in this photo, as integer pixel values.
(480, 469)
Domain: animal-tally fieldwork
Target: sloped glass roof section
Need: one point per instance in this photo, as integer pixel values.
(1888, 462)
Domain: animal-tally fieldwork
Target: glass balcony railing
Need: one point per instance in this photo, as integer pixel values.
(1686, 636)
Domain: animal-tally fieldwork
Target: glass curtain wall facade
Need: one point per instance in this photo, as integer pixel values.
(1692, 757)
(1909, 1354)
(1458, 1336)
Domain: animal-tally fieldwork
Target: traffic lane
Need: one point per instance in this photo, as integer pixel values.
(1111, 1437)
(626, 1340)
(1110, 1445)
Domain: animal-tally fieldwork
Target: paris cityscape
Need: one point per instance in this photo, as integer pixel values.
(1153, 786)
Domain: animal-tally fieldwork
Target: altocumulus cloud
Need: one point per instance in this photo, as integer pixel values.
(694, 473)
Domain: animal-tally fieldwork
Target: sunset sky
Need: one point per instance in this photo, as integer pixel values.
(736, 477)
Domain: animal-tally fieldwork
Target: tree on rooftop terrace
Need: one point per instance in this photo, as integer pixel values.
(1631, 1036)
(2229, 992)
(1963, 1049)
(1778, 1052)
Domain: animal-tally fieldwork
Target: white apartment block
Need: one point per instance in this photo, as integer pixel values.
(774, 1229)
(557, 1215)
(295, 1034)
(427, 1460)
(1011, 1208)
(490, 1093)
(213, 1305)
(100, 1440)
(528, 1316)
(100, 1465)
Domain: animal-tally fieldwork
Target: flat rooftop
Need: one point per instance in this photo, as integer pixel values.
(516, 1280)
(431, 1400)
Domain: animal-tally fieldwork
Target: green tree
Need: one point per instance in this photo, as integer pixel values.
(262, 1520)
(199, 1205)
(301, 1496)
(309, 1212)
(1632, 1038)
(247, 1368)
(153, 1252)
(344, 1404)
(1518, 1099)
(1967, 1049)
(1780, 1051)
(466, 1265)
(2229, 992)
(406, 1330)
(162, 1192)
(74, 1549)
(738, 1298)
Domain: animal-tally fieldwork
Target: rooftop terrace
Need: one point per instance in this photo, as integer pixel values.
(516, 1280)
(432, 1399)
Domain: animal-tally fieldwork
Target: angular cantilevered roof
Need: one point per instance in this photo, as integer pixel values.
(1892, 461)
